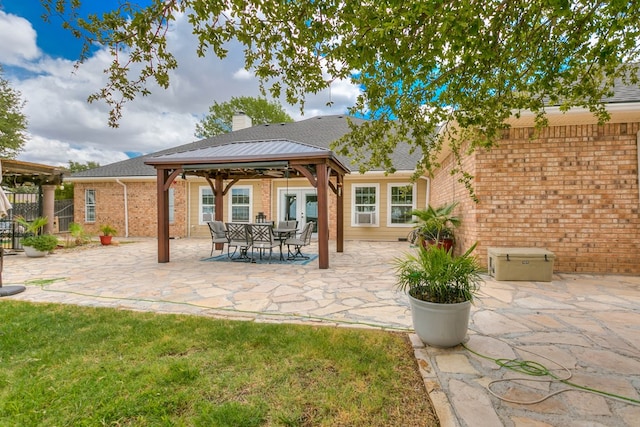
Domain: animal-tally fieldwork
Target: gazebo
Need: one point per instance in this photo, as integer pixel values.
(225, 164)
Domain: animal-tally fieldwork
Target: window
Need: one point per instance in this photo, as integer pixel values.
(207, 205)
(240, 204)
(90, 205)
(400, 204)
(365, 205)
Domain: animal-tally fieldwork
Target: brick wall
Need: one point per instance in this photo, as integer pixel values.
(141, 207)
(265, 199)
(570, 189)
(445, 189)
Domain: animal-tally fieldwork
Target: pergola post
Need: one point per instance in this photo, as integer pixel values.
(218, 194)
(323, 214)
(163, 215)
(48, 207)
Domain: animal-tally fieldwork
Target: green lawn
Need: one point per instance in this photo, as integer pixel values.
(63, 365)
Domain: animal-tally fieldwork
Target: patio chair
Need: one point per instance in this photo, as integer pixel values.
(299, 242)
(218, 235)
(239, 239)
(288, 224)
(262, 238)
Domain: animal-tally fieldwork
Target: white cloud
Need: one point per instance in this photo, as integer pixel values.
(63, 126)
(242, 74)
(18, 40)
(58, 153)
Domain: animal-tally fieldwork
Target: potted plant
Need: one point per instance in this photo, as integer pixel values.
(80, 237)
(37, 244)
(441, 288)
(435, 226)
(107, 234)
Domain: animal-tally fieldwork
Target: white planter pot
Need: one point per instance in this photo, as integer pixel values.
(31, 252)
(440, 325)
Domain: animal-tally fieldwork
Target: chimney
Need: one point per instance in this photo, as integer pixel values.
(240, 121)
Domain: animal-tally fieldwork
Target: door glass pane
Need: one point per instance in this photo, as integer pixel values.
(291, 208)
(311, 210)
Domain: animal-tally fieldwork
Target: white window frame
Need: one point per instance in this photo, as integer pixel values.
(390, 205)
(232, 205)
(89, 206)
(201, 218)
(354, 211)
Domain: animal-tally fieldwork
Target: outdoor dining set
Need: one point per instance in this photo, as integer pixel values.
(245, 240)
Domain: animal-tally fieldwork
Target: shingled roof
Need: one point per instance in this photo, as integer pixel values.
(318, 132)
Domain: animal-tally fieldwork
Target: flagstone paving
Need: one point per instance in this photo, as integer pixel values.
(588, 324)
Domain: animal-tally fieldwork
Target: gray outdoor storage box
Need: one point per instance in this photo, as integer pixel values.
(534, 264)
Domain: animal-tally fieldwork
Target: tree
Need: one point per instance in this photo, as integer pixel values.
(431, 72)
(13, 123)
(66, 191)
(220, 117)
(79, 167)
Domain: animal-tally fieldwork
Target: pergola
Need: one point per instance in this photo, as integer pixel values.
(225, 164)
(16, 173)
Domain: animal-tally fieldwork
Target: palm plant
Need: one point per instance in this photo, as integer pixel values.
(34, 236)
(107, 230)
(435, 275)
(33, 228)
(437, 223)
(79, 235)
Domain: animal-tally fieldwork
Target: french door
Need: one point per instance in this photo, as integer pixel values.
(300, 204)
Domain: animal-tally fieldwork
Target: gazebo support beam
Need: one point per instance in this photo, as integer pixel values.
(323, 214)
(163, 184)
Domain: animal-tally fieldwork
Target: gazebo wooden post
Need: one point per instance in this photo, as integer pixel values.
(163, 216)
(323, 213)
(218, 194)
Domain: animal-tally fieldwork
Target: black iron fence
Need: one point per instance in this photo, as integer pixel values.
(29, 206)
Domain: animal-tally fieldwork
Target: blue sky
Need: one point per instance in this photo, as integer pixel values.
(51, 37)
(38, 59)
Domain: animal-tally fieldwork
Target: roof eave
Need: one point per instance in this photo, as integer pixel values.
(87, 179)
(297, 158)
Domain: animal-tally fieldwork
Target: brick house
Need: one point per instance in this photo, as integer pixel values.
(376, 206)
(571, 188)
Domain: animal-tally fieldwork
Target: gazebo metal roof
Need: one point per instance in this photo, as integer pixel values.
(248, 149)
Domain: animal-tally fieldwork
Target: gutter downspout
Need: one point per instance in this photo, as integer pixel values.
(188, 210)
(427, 191)
(638, 158)
(126, 209)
